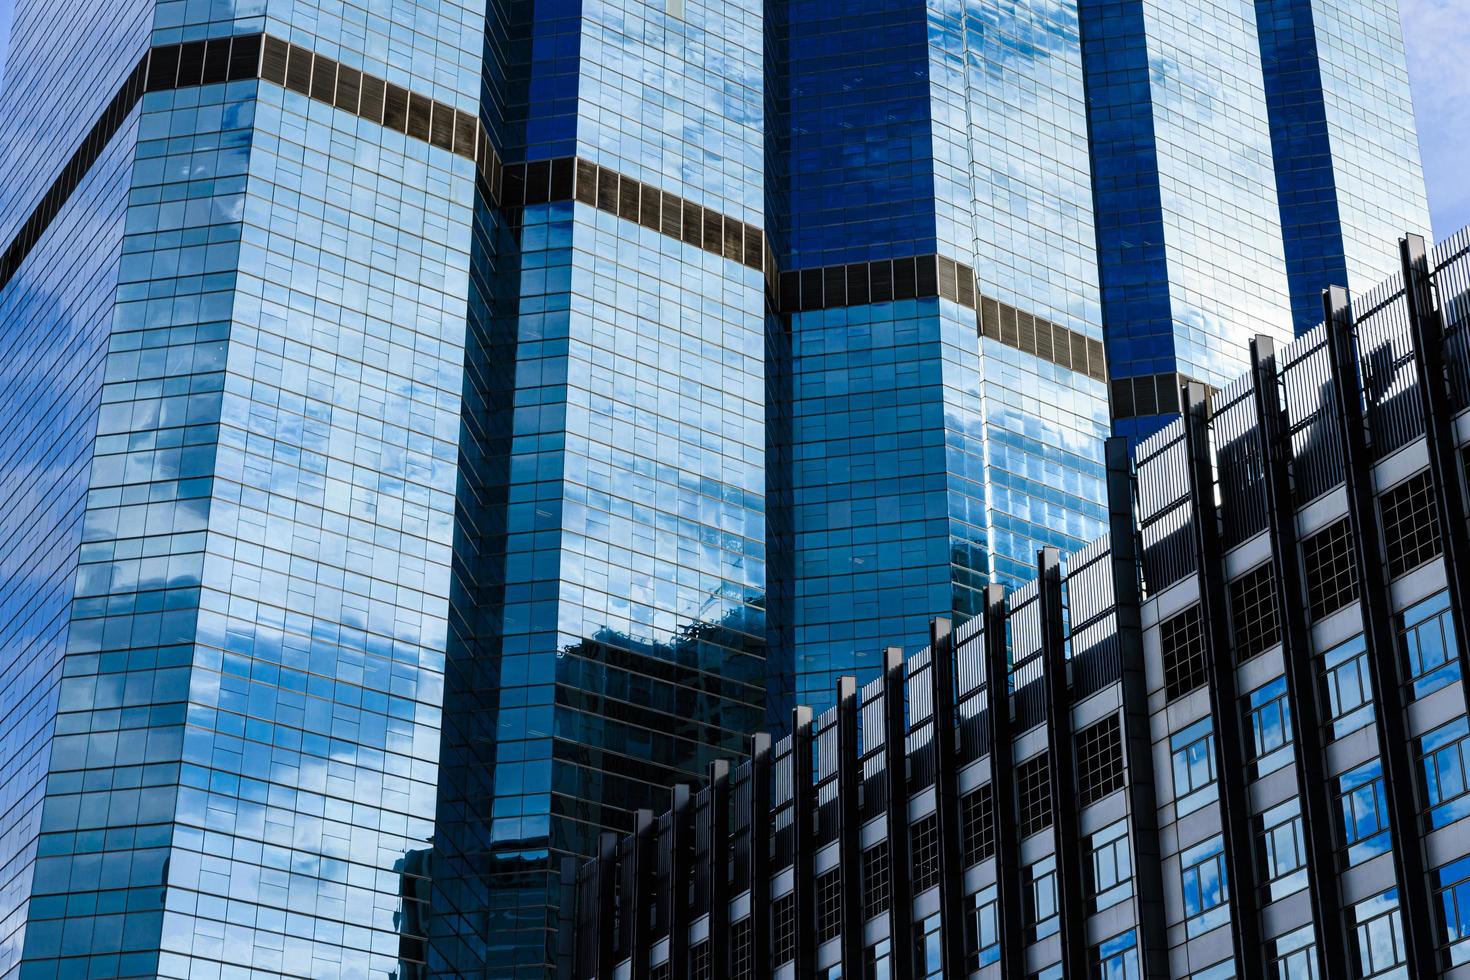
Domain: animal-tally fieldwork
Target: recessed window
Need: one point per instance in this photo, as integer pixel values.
(1193, 753)
(1182, 645)
(829, 904)
(1034, 791)
(875, 880)
(1253, 612)
(1410, 523)
(1205, 888)
(925, 838)
(1100, 759)
(977, 823)
(1331, 569)
(1427, 641)
(1270, 721)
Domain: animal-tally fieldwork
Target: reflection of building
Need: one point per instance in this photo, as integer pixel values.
(415, 873)
(1228, 739)
(429, 417)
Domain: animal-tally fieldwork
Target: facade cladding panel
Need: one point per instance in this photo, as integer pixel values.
(1101, 821)
(433, 434)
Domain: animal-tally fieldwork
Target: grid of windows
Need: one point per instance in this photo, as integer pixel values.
(1410, 523)
(1183, 652)
(1331, 569)
(1100, 759)
(660, 972)
(925, 837)
(1427, 641)
(742, 950)
(699, 961)
(829, 904)
(977, 820)
(1253, 612)
(876, 885)
(783, 928)
(1033, 780)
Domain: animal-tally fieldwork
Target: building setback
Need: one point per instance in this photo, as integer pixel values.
(1234, 740)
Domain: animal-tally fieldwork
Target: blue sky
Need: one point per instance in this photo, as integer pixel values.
(1437, 36)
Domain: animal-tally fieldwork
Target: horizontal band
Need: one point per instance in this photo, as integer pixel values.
(927, 276)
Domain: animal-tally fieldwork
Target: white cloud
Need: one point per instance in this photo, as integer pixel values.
(1437, 36)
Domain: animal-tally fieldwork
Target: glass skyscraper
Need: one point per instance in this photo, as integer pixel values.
(431, 430)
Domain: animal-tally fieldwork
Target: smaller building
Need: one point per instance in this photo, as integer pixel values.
(1234, 739)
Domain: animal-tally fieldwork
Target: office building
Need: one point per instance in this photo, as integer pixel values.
(1244, 156)
(432, 432)
(1227, 739)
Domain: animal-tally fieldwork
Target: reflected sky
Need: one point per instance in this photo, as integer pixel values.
(7, 9)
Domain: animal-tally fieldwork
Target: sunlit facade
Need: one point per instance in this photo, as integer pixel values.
(431, 431)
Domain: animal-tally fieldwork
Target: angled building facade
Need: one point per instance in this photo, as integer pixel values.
(433, 432)
(1227, 739)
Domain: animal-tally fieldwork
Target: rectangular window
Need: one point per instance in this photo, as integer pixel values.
(1270, 717)
(1349, 690)
(1033, 780)
(1410, 523)
(1363, 807)
(925, 843)
(742, 953)
(1182, 649)
(977, 820)
(1294, 956)
(1099, 760)
(699, 964)
(875, 879)
(1452, 885)
(1378, 934)
(1283, 850)
(1206, 892)
(1041, 898)
(1117, 958)
(928, 950)
(1253, 612)
(1445, 756)
(1112, 867)
(1193, 751)
(1331, 569)
(783, 928)
(983, 939)
(1427, 640)
(829, 904)
(878, 963)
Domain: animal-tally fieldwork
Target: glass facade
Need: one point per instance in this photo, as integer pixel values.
(432, 431)
(1191, 260)
(1346, 151)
